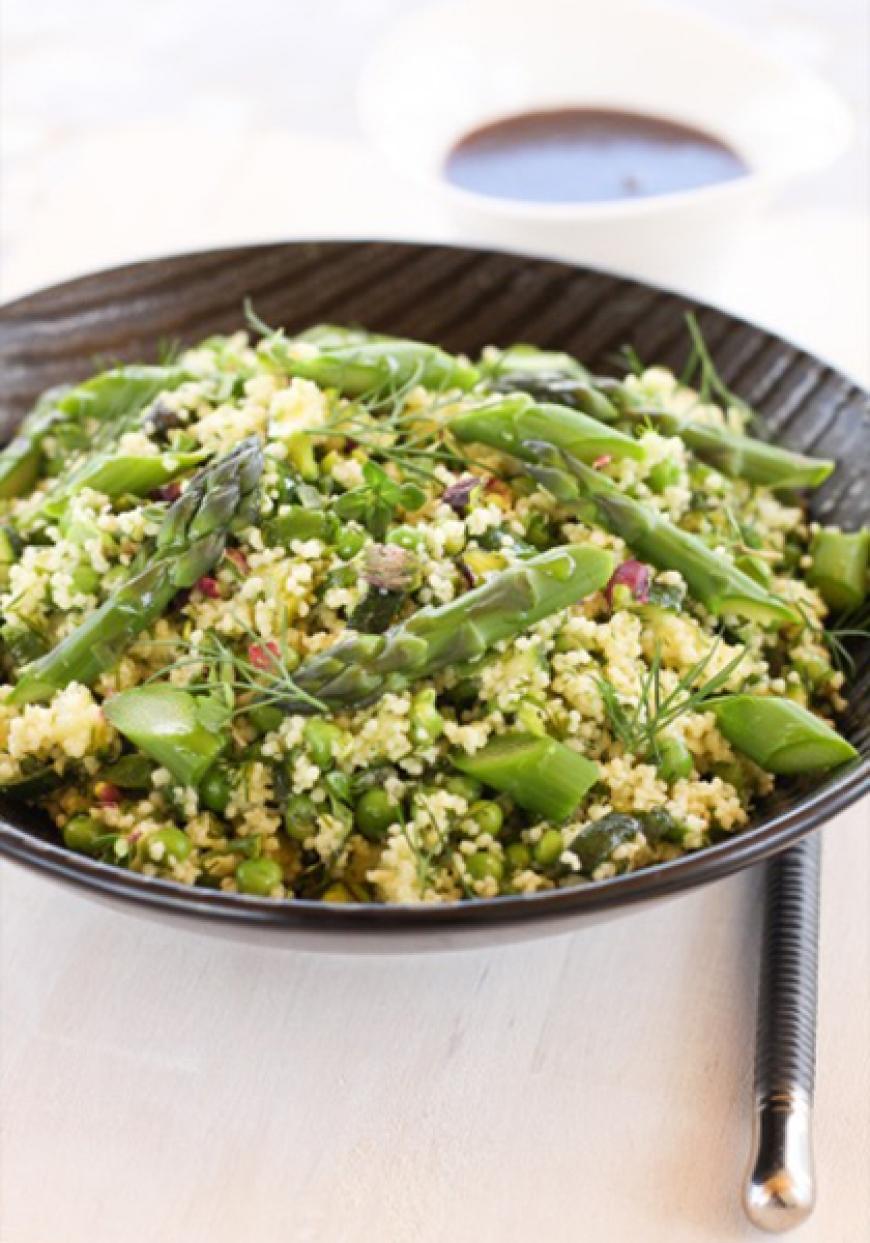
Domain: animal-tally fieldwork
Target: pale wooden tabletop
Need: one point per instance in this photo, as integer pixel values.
(168, 1088)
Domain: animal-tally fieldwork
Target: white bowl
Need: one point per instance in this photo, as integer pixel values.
(443, 71)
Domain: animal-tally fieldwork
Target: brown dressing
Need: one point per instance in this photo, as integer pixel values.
(588, 155)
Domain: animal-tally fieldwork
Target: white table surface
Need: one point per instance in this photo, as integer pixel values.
(160, 1087)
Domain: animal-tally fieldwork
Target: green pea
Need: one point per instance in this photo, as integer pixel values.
(815, 669)
(215, 790)
(427, 723)
(349, 542)
(290, 658)
(300, 814)
(86, 579)
(468, 788)
(258, 876)
(663, 475)
(321, 738)
(168, 846)
(374, 813)
(265, 718)
(336, 892)
(548, 848)
(518, 856)
(407, 537)
(482, 865)
(80, 833)
(488, 816)
(675, 760)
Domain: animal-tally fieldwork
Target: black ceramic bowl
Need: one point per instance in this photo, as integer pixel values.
(463, 299)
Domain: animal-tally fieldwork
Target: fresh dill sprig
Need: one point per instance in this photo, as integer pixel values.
(631, 361)
(169, 350)
(424, 859)
(638, 728)
(379, 422)
(265, 682)
(737, 542)
(255, 323)
(710, 383)
(854, 624)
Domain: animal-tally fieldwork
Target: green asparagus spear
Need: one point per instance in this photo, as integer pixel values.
(112, 396)
(329, 336)
(21, 458)
(120, 393)
(548, 376)
(539, 773)
(716, 583)
(361, 667)
(223, 497)
(183, 732)
(120, 474)
(735, 455)
(530, 361)
(507, 424)
(560, 378)
(778, 734)
(839, 568)
(371, 365)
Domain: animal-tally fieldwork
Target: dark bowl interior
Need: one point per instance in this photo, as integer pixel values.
(463, 299)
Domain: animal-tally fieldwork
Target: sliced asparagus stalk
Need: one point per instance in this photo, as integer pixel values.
(539, 773)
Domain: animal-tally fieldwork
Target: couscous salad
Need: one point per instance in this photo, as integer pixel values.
(345, 617)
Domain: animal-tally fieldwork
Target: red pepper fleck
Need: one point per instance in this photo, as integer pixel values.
(209, 587)
(499, 487)
(107, 793)
(632, 574)
(604, 460)
(263, 657)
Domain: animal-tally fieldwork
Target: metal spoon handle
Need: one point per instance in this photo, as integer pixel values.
(780, 1188)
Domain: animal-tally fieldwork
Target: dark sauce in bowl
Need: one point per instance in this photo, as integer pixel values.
(588, 155)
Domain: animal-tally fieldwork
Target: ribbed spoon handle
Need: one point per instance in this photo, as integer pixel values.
(780, 1188)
